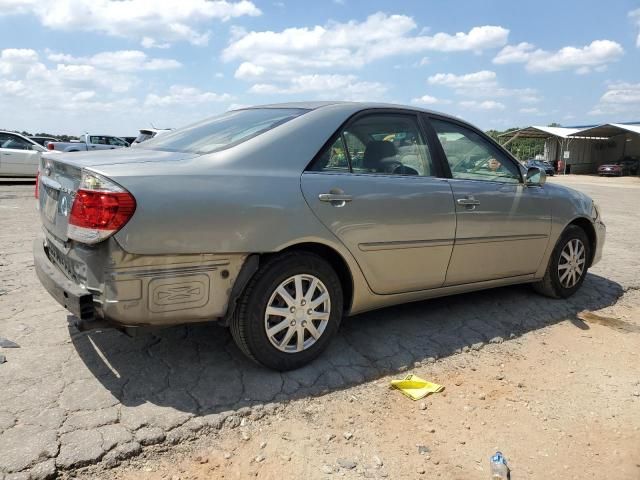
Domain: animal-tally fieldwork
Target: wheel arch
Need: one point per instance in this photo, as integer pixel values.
(326, 252)
(587, 226)
(335, 259)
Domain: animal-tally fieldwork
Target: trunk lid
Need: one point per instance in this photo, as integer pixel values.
(60, 176)
(58, 184)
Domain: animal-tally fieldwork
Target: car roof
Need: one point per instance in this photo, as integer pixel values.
(18, 134)
(348, 105)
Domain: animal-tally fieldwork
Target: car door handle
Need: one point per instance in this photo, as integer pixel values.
(334, 197)
(469, 201)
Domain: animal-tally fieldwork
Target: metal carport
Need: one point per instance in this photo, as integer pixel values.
(557, 139)
(623, 140)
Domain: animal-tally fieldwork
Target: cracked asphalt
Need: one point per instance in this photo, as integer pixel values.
(71, 399)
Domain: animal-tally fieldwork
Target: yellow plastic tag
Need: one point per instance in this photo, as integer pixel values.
(415, 387)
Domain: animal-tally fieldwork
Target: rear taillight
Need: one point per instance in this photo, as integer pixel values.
(50, 146)
(100, 209)
(36, 191)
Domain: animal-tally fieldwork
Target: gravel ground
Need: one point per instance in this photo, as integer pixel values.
(554, 384)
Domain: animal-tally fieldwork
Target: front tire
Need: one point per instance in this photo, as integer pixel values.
(568, 265)
(289, 311)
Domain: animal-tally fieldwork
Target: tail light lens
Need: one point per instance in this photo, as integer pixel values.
(36, 192)
(50, 146)
(100, 208)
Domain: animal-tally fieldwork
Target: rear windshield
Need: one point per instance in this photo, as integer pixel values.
(146, 135)
(223, 131)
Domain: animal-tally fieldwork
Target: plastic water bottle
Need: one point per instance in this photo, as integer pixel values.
(499, 469)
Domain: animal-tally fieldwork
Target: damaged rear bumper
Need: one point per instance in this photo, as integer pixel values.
(75, 298)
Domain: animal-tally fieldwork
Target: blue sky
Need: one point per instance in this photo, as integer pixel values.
(69, 66)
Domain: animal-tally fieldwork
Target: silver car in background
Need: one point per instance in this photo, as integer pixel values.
(279, 220)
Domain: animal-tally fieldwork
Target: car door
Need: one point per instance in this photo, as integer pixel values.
(374, 185)
(503, 226)
(18, 156)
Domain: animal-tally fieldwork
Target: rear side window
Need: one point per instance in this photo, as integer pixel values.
(98, 140)
(382, 144)
(332, 159)
(15, 143)
(223, 131)
(116, 141)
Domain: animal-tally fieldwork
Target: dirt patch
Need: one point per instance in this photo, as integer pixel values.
(554, 401)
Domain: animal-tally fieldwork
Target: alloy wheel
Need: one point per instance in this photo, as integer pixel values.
(572, 262)
(297, 313)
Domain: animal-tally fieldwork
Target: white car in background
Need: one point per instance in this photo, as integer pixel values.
(19, 155)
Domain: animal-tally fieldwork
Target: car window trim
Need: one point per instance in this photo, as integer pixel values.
(494, 145)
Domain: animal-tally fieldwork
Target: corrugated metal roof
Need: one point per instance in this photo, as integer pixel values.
(538, 131)
(607, 130)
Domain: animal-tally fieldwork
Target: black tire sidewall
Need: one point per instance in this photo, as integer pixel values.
(276, 272)
(571, 233)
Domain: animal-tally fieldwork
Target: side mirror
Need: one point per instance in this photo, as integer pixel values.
(535, 177)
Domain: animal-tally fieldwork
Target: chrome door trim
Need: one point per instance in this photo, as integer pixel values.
(374, 246)
(505, 238)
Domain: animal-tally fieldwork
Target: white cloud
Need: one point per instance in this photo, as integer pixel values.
(183, 95)
(582, 59)
(248, 71)
(352, 44)
(148, 20)
(530, 110)
(148, 42)
(482, 84)
(12, 87)
(619, 98)
(484, 105)
(514, 53)
(635, 16)
(482, 78)
(15, 60)
(120, 61)
(429, 100)
(26, 66)
(344, 86)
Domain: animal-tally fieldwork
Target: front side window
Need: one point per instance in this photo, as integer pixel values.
(472, 157)
(383, 144)
(223, 131)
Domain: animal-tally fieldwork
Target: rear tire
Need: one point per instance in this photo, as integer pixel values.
(304, 296)
(567, 266)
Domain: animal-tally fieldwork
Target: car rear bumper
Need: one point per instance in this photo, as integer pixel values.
(121, 289)
(75, 298)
